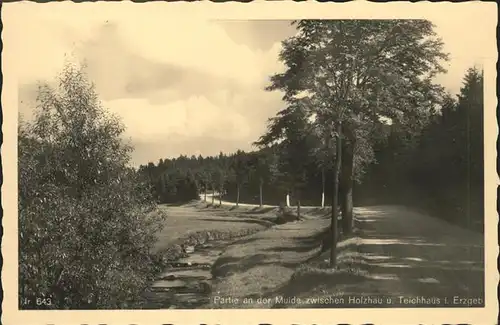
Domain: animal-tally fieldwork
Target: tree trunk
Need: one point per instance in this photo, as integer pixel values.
(346, 180)
(288, 200)
(323, 187)
(298, 208)
(237, 194)
(220, 197)
(260, 193)
(335, 197)
(213, 195)
(205, 194)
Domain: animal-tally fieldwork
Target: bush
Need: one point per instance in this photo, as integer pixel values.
(86, 221)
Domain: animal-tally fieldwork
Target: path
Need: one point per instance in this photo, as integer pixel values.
(399, 253)
(412, 255)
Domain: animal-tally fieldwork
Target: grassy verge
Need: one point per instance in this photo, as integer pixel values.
(263, 263)
(318, 268)
(316, 279)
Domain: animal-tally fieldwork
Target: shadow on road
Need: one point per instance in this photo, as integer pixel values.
(399, 254)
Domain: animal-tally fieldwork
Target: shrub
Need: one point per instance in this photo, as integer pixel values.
(86, 221)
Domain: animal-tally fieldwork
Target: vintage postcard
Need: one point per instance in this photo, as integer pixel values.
(262, 163)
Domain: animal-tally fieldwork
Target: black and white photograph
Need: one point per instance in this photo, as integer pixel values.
(169, 162)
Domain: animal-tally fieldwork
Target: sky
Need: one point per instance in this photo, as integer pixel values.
(181, 86)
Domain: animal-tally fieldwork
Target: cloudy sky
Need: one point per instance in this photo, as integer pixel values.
(181, 86)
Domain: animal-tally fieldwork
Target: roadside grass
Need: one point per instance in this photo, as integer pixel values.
(255, 265)
(315, 278)
(196, 223)
(312, 278)
(348, 263)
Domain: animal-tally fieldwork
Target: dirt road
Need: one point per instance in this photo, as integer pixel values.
(408, 254)
(413, 259)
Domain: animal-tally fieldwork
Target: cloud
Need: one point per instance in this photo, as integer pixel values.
(203, 45)
(179, 80)
(120, 71)
(258, 34)
(162, 87)
(195, 117)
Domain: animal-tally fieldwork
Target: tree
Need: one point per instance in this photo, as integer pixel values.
(290, 135)
(471, 106)
(323, 153)
(263, 168)
(203, 180)
(202, 175)
(86, 225)
(224, 173)
(219, 175)
(212, 174)
(353, 73)
(240, 169)
(162, 188)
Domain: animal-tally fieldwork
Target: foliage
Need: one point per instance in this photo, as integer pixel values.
(347, 66)
(361, 72)
(86, 221)
(441, 168)
(239, 166)
(295, 147)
